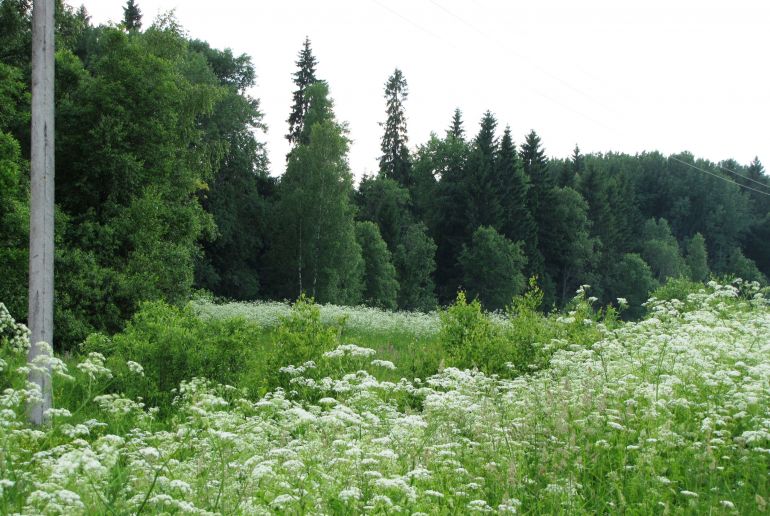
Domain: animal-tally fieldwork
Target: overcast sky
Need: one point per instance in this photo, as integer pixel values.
(609, 75)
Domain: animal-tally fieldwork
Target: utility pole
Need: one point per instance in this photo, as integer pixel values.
(41, 227)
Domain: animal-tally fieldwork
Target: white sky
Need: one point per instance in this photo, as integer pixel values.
(610, 75)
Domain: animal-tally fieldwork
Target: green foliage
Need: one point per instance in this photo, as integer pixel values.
(456, 129)
(528, 331)
(513, 186)
(744, 268)
(481, 201)
(527, 339)
(696, 258)
(540, 201)
(395, 162)
(415, 263)
(136, 143)
(237, 197)
(470, 339)
(300, 337)
(492, 268)
(304, 77)
(132, 16)
(315, 248)
(174, 345)
(446, 159)
(661, 251)
(631, 278)
(386, 203)
(380, 284)
(14, 224)
(679, 289)
(570, 251)
(15, 33)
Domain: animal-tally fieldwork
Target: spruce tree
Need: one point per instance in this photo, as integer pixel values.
(304, 77)
(481, 185)
(517, 222)
(578, 161)
(756, 174)
(572, 169)
(449, 160)
(593, 186)
(535, 165)
(132, 16)
(395, 162)
(540, 200)
(456, 128)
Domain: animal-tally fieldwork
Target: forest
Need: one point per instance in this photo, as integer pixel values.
(162, 188)
(477, 327)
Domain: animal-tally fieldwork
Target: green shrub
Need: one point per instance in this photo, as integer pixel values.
(172, 344)
(470, 339)
(678, 288)
(526, 340)
(300, 337)
(529, 332)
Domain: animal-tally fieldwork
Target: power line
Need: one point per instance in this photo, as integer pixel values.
(717, 176)
(565, 83)
(523, 57)
(407, 20)
(535, 91)
(760, 183)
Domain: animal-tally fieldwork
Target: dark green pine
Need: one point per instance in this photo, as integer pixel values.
(456, 129)
(517, 223)
(132, 16)
(395, 162)
(304, 77)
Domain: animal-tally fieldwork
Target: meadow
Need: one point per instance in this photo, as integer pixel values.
(569, 413)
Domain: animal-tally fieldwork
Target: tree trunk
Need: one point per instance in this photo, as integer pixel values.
(41, 229)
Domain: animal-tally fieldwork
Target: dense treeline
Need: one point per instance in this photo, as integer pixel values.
(162, 187)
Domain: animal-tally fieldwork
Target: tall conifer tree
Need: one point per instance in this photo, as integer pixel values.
(456, 127)
(304, 77)
(572, 169)
(132, 16)
(395, 162)
(517, 221)
(481, 185)
(540, 199)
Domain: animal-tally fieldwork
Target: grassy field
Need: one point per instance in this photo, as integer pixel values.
(667, 415)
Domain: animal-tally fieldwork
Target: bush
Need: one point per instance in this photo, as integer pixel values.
(470, 339)
(300, 337)
(678, 288)
(172, 344)
(529, 332)
(527, 339)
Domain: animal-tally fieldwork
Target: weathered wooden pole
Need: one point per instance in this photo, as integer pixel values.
(41, 229)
